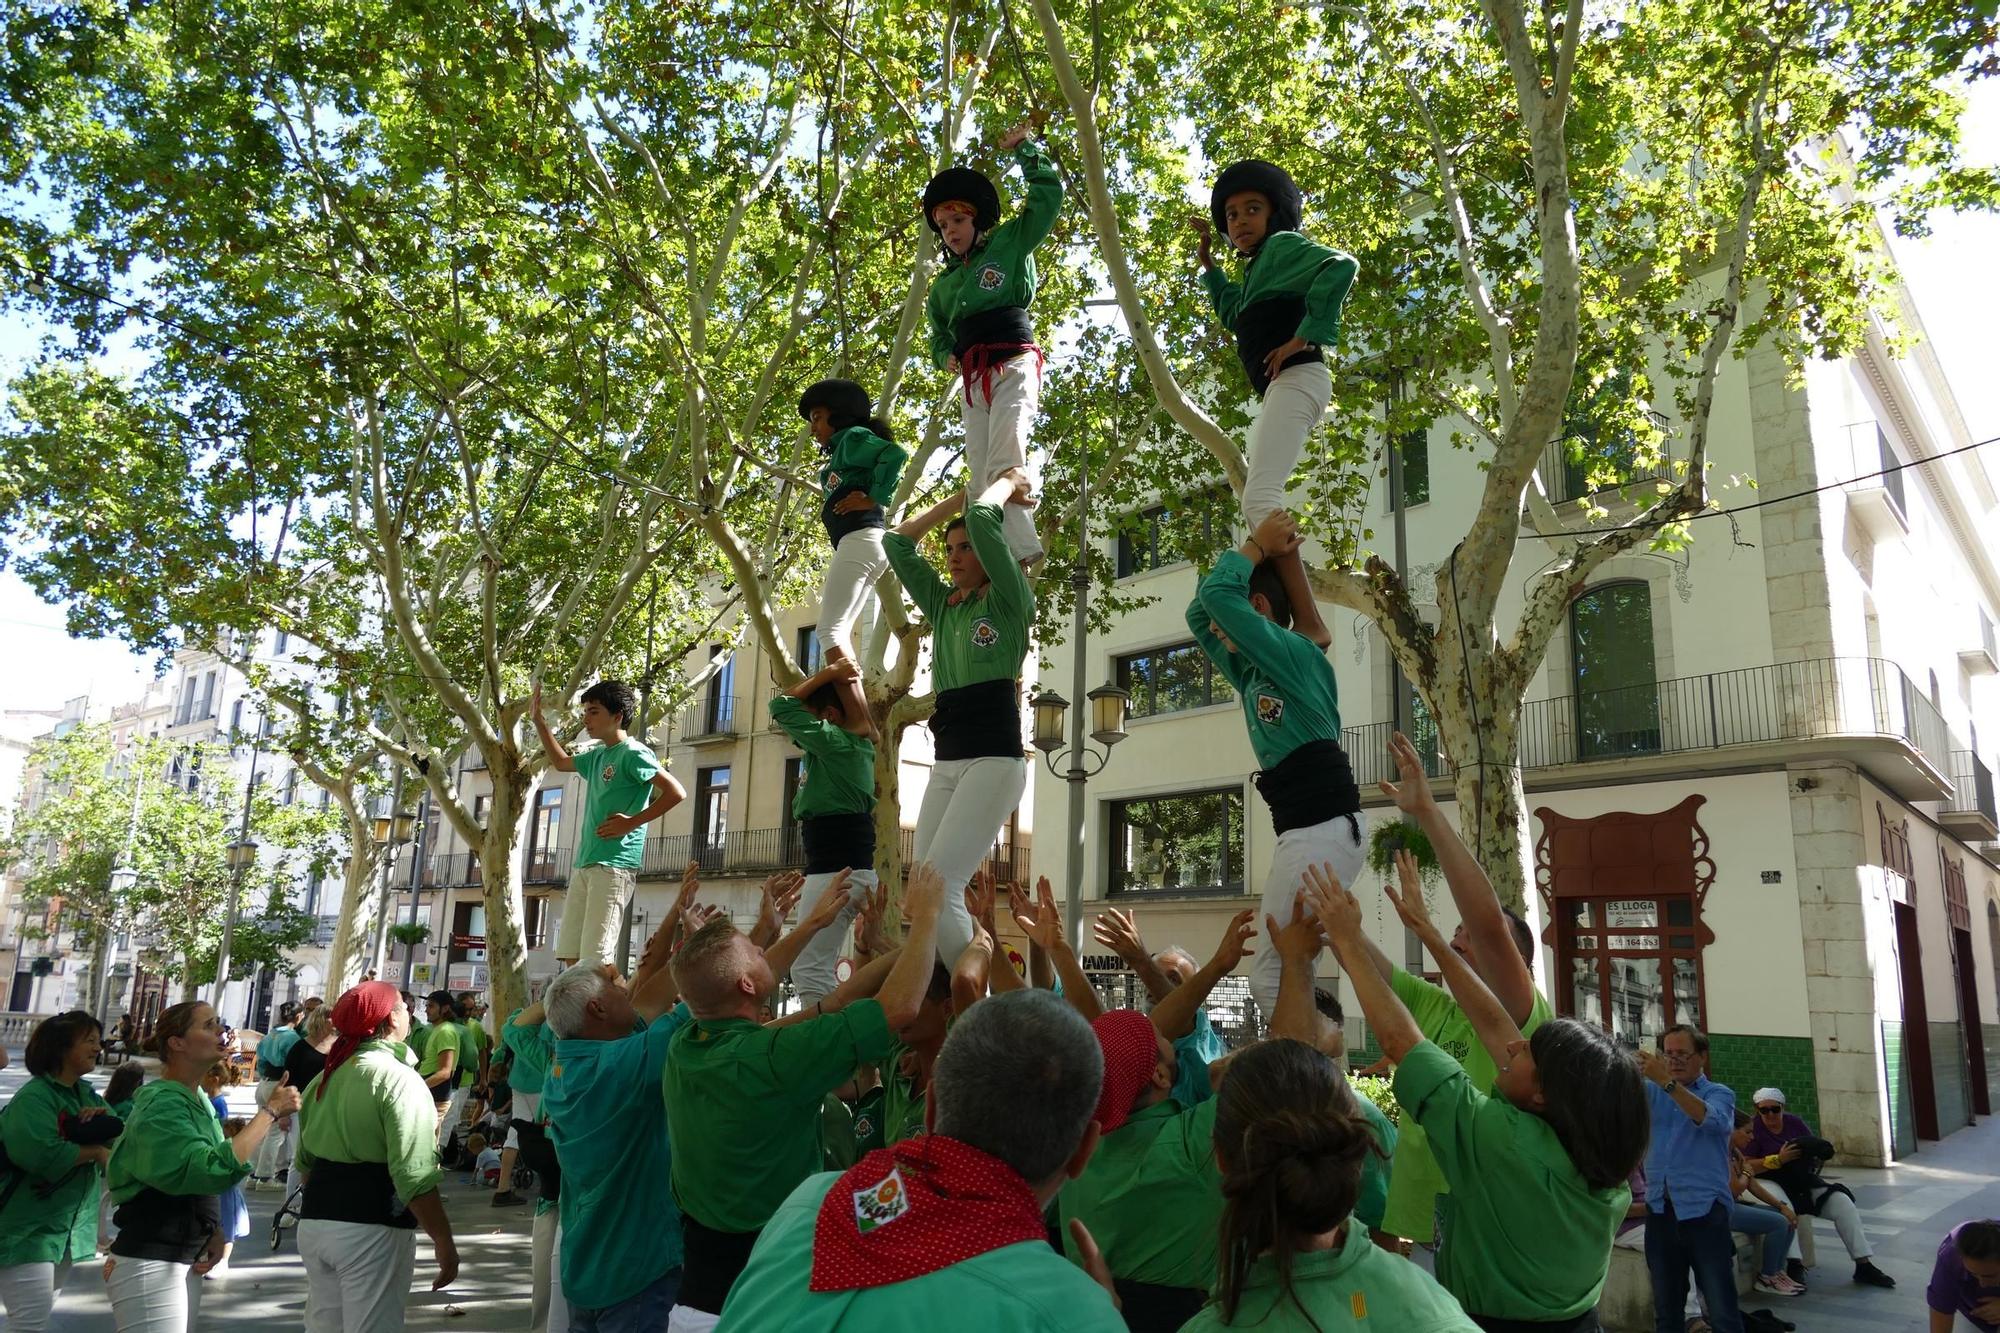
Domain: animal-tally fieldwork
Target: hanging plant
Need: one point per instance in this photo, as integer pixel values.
(409, 932)
(42, 966)
(1390, 836)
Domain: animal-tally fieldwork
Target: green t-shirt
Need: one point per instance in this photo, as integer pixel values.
(983, 637)
(439, 1038)
(1527, 1237)
(617, 780)
(376, 1109)
(1023, 1288)
(534, 1050)
(173, 1143)
(999, 271)
(1415, 1182)
(1355, 1288)
(1152, 1196)
(1283, 680)
(858, 457)
(744, 1102)
(837, 776)
(63, 1226)
(1373, 1201)
(1288, 264)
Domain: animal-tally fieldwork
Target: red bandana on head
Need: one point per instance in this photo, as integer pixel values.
(356, 1015)
(1131, 1052)
(925, 1204)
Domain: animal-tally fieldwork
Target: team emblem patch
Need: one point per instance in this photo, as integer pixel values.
(1270, 710)
(832, 482)
(991, 277)
(881, 1203)
(983, 633)
(609, 772)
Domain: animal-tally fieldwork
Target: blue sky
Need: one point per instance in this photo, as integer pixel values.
(1953, 276)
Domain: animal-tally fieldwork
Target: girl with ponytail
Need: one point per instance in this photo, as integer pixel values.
(1291, 1141)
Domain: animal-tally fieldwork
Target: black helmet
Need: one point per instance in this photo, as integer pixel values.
(1270, 181)
(845, 402)
(967, 186)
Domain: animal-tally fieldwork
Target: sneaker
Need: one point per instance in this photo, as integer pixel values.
(284, 1175)
(1795, 1269)
(1869, 1275)
(507, 1199)
(1779, 1285)
(1763, 1321)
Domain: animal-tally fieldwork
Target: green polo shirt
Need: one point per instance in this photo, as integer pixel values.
(1152, 1196)
(617, 780)
(1528, 1239)
(868, 1121)
(999, 270)
(837, 776)
(473, 1043)
(1356, 1287)
(985, 636)
(859, 458)
(1283, 680)
(1288, 264)
(375, 1109)
(438, 1039)
(610, 1132)
(63, 1226)
(1416, 1182)
(533, 1048)
(1024, 1288)
(173, 1143)
(744, 1101)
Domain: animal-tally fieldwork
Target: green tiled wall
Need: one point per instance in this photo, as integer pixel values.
(1992, 1061)
(1948, 1075)
(1902, 1111)
(1749, 1063)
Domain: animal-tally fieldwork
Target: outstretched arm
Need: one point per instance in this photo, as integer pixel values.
(1046, 931)
(1498, 1032)
(1298, 943)
(902, 993)
(786, 951)
(1173, 1016)
(559, 758)
(1119, 932)
(1388, 1019)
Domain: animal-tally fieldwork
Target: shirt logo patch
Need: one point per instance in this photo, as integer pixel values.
(833, 481)
(608, 773)
(991, 277)
(864, 1125)
(1270, 710)
(983, 633)
(881, 1203)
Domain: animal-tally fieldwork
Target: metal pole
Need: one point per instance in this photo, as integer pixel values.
(379, 954)
(416, 877)
(1079, 582)
(105, 998)
(1399, 706)
(235, 888)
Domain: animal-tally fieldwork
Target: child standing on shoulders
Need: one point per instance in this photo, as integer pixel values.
(978, 310)
(619, 774)
(1285, 313)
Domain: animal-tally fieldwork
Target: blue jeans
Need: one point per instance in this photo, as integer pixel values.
(1769, 1223)
(1674, 1245)
(645, 1313)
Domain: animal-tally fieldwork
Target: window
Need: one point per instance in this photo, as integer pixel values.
(291, 788)
(207, 697)
(1186, 843)
(544, 829)
(794, 843)
(1611, 658)
(1415, 451)
(1168, 680)
(1161, 536)
(811, 656)
(236, 719)
(278, 644)
(1590, 447)
(711, 808)
(1632, 965)
(720, 708)
(1892, 469)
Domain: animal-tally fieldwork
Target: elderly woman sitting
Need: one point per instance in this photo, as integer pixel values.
(1783, 1149)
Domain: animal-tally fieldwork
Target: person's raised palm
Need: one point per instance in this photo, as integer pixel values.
(1277, 535)
(1409, 900)
(923, 895)
(979, 896)
(1234, 946)
(1412, 790)
(1336, 908)
(1297, 939)
(1117, 931)
(827, 910)
(1048, 929)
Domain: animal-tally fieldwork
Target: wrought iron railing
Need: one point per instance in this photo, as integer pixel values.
(716, 715)
(1566, 465)
(1972, 787)
(1368, 751)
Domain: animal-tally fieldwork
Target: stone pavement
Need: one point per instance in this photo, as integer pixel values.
(1907, 1207)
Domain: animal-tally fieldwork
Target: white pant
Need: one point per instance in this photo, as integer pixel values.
(966, 804)
(558, 1304)
(154, 1296)
(357, 1275)
(687, 1319)
(29, 1293)
(454, 1111)
(526, 1105)
(541, 1270)
(1846, 1218)
(1333, 842)
(996, 439)
(593, 912)
(813, 969)
(1293, 405)
(274, 1154)
(850, 576)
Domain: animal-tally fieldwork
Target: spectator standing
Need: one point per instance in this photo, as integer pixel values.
(48, 1194)
(274, 1158)
(1687, 1183)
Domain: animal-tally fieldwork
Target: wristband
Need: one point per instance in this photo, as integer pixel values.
(1262, 554)
(1771, 1162)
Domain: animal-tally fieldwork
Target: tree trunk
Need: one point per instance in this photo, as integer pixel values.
(352, 951)
(501, 847)
(1492, 803)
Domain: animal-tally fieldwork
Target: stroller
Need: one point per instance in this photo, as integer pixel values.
(287, 1217)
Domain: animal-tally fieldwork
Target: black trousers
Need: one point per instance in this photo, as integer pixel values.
(1149, 1307)
(1674, 1245)
(712, 1261)
(1583, 1323)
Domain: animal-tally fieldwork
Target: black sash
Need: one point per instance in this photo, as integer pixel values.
(354, 1192)
(839, 525)
(1149, 1307)
(838, 842)
(175, 1228)
(980, 721)
(1007, 324)
(711, 1262)
(1311, 785)
(1264, 326)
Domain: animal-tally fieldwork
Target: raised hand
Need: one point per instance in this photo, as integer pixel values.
(1205, 239)
(284, 1098)
(843, 668)
(1336, 908)
(1298, 939)
(1277, 535)
(979, 897)
(869, 939)
(827, 910)
(1117, 931)
(1013, 138)
(923, 896)
(1047, 930)
(1234, 946)
(696, 915)
(782, 892)
(1412, 790)
(690, 886)
(1409, 903)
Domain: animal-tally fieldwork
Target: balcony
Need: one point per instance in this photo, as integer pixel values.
(1983, 659)
(1566, 465)
(1368, 751)
(1877, 503)
(717, 718)
(452, 870)
(764, 850)
(1970, 811)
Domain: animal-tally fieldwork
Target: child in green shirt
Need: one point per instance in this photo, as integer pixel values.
(1284, 313)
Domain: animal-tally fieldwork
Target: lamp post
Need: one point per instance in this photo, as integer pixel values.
(392, 831)
(416, 879)
(242, 854)
(123, 880)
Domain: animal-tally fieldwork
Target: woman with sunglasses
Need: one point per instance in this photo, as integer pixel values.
(1784, 1148)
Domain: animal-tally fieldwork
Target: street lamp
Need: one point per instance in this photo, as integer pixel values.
(395, 830)
(1076, 762)
(240, 856)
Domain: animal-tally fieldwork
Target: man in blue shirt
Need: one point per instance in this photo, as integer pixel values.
(1687, 1183)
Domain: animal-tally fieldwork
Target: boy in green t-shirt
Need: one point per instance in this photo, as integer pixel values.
(619, 774)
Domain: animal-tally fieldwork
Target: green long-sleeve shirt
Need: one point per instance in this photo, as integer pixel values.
(33, 1229)
(838, 774)
(376, 1109)
(985, 636)
(1288, 264)
(860, 457)
(1000, 270)
(174, 1144)
(1284, 681)
(534, 1050)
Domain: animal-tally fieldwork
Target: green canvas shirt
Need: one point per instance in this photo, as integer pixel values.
(1000, 269)
(858, 456)
(1152, 1196)
(175, 1144)
(533, 1048)
(744, 1102)
(375, 1109)
(35, 1230)
(1356, 1287)
(1287, 264)
(868, 1121)
(617, 780)
(610, 1132)
(1282, 679)
(1024, 1288)
(439, 1038)
(838, 774)
(1526, 1237)
(837, 1149)
(1416, 1182)
(984, 637)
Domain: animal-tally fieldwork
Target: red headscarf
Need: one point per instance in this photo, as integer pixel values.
(1131, 1052)
(925, 1204)
(356, 1015)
